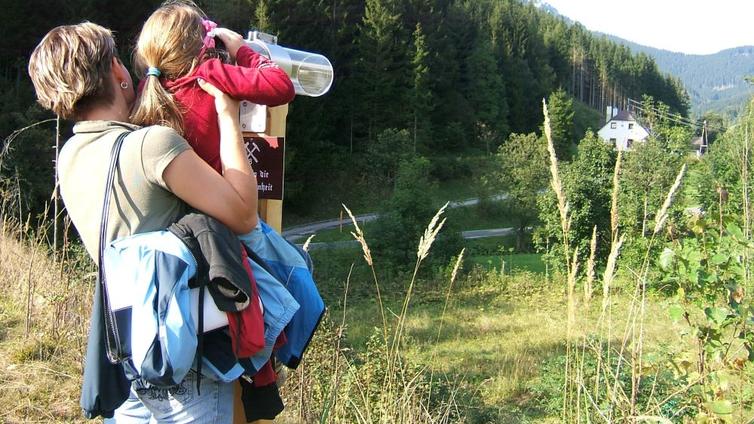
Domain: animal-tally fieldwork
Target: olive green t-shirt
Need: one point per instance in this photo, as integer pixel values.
(141, 199)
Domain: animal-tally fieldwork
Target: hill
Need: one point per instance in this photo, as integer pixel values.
(715, 82)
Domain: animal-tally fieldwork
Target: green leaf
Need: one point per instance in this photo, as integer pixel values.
(676, 312)
(720, 407)
(666, 258)
(735, 231)
(719, 259)
(716, 315)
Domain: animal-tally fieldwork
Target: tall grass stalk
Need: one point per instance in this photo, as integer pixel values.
(401, 397)
(453, 274)
(359, 236)
(580, 401)
(588, 289)
(565, 225)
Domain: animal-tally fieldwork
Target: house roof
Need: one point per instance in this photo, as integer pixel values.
(623, 115)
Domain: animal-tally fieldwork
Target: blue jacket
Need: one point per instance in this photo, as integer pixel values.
(154, 269)
(292, 267)
(147, 279)
(280, 308)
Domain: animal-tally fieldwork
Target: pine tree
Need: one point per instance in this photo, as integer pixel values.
(262, 17)
(421, 95)
(560, 106)
(486, 93)
(381, 64)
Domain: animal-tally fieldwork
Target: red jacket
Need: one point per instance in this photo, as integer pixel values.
(255, 78)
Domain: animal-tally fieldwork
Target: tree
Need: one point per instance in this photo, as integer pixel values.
(405, 216)
(487, 94)
(649, 169)
(385, 154)
(587, 182)
(560, 107)
(262, 17)
(382, 67)
(421, 93)
(521, 174)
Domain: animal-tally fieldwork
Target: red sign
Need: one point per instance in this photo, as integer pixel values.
(267, 158)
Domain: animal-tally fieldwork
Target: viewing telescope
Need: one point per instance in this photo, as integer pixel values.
(311, 73)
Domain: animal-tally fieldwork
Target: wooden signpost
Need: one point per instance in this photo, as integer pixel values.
(266, 153)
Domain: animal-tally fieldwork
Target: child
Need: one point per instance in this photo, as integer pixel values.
(176, 47)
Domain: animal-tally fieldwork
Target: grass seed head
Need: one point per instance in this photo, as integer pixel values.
(614, 196)
(555, 183)
(662, 214)
(307, 242)
(457, 265)
(359, 236)
(434, 227)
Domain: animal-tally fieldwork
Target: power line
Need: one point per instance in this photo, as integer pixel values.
(662, 112)
(671, 116)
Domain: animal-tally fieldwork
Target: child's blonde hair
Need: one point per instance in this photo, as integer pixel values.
(171, 41)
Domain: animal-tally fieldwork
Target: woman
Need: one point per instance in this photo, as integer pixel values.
(77, 74)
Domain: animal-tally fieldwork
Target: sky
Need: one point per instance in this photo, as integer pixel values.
(690, 26)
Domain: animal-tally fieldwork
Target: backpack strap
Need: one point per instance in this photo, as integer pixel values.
(112, 341)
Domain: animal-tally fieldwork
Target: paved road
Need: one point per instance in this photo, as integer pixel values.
(469, 235)
(299, 232)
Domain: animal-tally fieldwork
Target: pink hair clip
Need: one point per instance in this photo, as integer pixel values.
(209, 38)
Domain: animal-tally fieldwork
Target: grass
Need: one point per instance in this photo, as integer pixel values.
(531, 262)
(497, 332)
(43, 321)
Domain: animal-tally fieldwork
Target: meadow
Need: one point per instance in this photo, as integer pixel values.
(658, 330)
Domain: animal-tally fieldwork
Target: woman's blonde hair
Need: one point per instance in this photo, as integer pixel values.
(70, 69)
(171, 41)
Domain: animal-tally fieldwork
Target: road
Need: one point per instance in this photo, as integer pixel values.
(299, 232)
(469, 235)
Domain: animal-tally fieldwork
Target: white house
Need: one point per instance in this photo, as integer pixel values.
(622, 131)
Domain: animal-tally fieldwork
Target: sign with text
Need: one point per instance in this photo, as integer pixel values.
(267, 156)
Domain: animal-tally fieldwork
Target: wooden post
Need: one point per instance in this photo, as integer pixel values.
(271, 211)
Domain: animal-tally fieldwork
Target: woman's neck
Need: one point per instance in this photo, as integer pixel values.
(111, 112)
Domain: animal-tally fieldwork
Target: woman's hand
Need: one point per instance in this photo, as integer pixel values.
(232, 40)
(227, 107)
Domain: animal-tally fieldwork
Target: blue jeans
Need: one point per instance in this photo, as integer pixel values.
(178, 404)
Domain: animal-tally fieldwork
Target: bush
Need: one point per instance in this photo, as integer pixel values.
(443, 168)
(405, 217)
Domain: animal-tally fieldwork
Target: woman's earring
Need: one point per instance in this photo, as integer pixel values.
(124, 85)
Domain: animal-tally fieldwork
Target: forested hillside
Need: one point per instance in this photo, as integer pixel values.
(715, 82)
(456, 75)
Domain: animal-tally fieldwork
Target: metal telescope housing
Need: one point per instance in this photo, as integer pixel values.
(311, 73)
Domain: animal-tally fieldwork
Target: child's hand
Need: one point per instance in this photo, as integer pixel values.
(232, 40)
(226, 106)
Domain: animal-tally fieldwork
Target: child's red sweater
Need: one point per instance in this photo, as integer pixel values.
(255, 78)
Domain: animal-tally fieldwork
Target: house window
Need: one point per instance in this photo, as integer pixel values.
(613, 125)
(630, 126)
(613, 141)
(629, 143)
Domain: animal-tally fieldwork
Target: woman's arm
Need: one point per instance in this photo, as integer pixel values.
(231, 197)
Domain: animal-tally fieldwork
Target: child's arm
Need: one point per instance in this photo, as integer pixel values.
(256, 78)
(231, 198)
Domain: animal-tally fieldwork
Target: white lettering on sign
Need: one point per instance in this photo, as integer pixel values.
(264, 187)
(250, 149)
